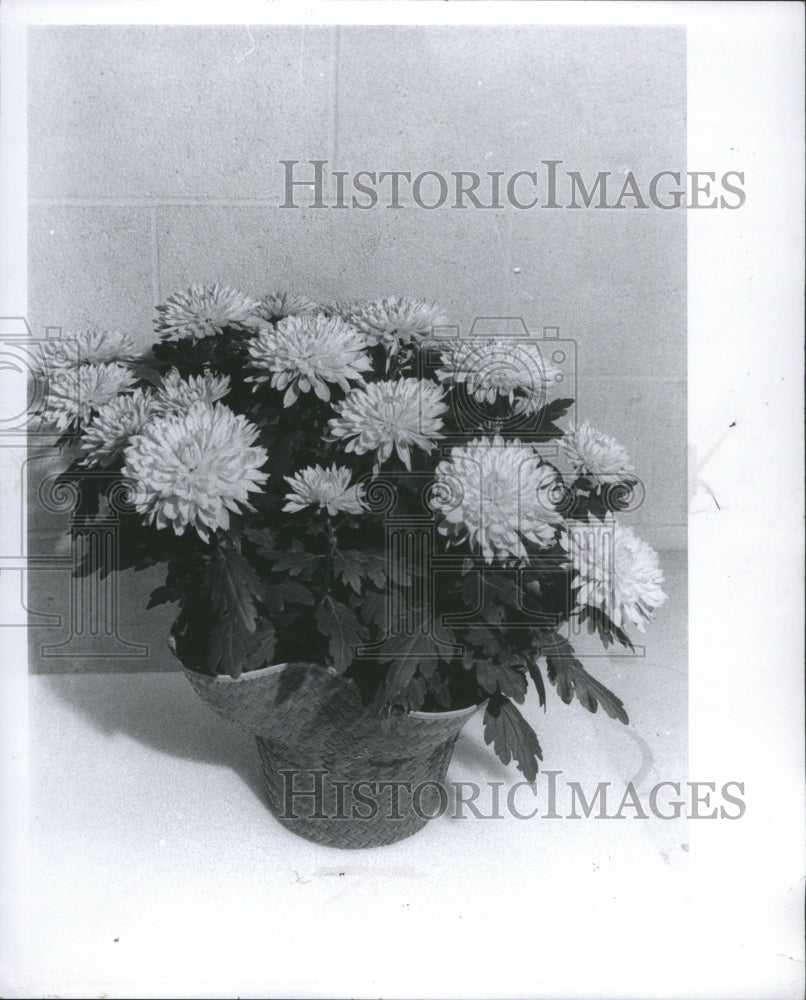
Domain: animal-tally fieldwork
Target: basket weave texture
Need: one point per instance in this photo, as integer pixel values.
(336, 773)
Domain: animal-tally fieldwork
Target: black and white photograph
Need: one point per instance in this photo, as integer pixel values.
(402, 500)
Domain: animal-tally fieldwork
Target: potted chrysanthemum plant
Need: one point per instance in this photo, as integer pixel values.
(370, 527)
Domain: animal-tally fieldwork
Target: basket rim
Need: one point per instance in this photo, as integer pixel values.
(225, 679)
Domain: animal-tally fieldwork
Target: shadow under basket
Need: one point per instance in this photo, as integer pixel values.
(336, 773)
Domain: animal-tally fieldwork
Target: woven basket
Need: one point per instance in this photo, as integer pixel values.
(336, 773)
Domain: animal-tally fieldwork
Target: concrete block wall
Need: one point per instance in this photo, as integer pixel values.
(154, 162)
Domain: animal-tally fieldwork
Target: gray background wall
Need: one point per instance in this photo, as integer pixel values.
(154, 162)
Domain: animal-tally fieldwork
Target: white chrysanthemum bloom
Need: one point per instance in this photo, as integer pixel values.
(593, 453)
(395, 414)
(393, 320)
(114, 424)
(192, 469)
(308, 352)
(88, 346)
(616, 571)
(74, 393)
(204, 311)
(328, 488)
(496, 494)
(492, 368)
(176, 393)
(278, 305)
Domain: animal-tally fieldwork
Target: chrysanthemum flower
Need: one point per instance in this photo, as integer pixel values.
(496, 494)
(393, 414)
(114, 424)
(492, 368)
(176, 393)
(308, 352)
(73, 393)
(88, 346)
(592, 453)
(192, 469)
(616, 571)
(394, 320)
(204, 311)
(329, 488)
(278, 305)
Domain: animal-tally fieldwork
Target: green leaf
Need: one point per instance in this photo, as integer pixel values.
(571, 679)
(342, 628)
(511, 736)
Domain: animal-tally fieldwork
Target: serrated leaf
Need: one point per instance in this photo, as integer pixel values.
(438, 685)
(295, 562)
(261, 648)
(501, 589)
(373, 606)
(493, 614)
(351, 568)
(511, 736)
(546, 415)
(376, 568)
(598, 621)
(147, 374)
(342, 628)
(537, 678)
(415, 693)
(571, 679)
(228, 648)
(380, 568)
(233, 586)
(483, 639)
(494, 677)
(264, 540)
(295, 592)
(407, 652)
(163, 595)
(277, 594)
